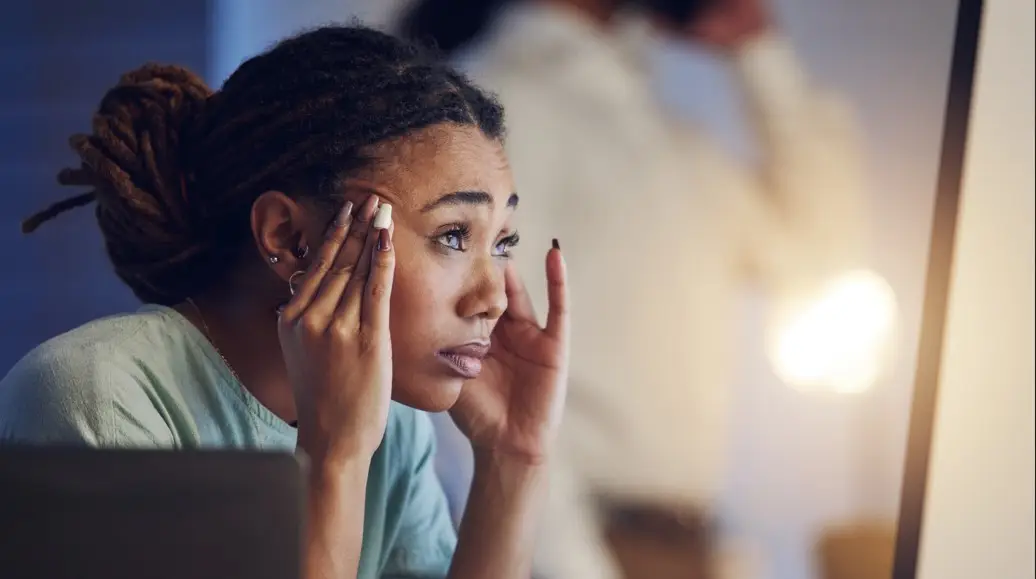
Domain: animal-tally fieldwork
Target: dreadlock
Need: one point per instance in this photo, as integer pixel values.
(174, 168)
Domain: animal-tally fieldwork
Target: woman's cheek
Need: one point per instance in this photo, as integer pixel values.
(418, 298)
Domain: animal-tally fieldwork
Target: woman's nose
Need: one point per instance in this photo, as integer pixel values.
(487, 296)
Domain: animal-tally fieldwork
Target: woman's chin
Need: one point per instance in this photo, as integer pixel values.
(436, 394)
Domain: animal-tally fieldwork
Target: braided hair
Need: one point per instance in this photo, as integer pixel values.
(174, 167)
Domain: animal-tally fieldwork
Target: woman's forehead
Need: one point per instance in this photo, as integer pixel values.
(415, 170)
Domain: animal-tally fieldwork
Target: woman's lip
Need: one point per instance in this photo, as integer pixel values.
(465, 366)
(471, 350)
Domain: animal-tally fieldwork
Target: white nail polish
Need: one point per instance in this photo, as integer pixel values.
(383, 218)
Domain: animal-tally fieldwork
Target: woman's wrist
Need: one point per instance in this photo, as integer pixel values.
(336, 491)
(511, 470)
(497, 534)
(322, 449)
(527, 452)
(337, 480)
(331, 467)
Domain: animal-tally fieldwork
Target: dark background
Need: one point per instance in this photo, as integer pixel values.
(57, 58)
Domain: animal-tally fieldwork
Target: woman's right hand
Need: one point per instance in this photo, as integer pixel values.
(334, 335)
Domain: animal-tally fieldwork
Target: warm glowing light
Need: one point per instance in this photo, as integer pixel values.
(840, 340)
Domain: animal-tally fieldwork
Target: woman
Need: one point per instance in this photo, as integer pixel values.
(649, 414)
(215, 209)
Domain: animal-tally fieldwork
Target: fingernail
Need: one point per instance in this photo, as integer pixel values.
(344, 214)
(384, 217)
(368, 209)
(384, 240)
(554, 243)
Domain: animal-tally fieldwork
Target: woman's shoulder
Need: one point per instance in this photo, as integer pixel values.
(96, 344)
(71, 387)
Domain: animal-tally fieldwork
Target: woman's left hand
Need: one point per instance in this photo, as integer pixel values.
(514, 407)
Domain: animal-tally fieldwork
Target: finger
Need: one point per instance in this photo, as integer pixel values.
(519, 303)
(325, 256)
(378, 289)
(350, 305)
(337, 278)
(557, 294)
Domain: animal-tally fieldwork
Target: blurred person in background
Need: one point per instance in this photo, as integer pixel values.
(599, 159)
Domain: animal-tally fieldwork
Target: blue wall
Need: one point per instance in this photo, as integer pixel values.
(57, 57)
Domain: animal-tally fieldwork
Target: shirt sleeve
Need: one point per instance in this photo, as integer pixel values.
(802, 214)
(77, 398)
(426, 539)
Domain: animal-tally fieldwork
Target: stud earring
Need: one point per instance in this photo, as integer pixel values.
(302, 251)
(273, 259)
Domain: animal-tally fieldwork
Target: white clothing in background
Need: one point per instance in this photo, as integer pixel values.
(661, 231)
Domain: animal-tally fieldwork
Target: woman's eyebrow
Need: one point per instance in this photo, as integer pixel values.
(467, 198)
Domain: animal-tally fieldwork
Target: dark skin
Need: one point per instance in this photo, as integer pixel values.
(467, 296)
(328, 361)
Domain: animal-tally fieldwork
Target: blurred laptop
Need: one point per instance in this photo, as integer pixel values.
(114, 514)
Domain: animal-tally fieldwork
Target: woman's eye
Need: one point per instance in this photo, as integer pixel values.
(504, 246)
(453, 240)
(457, 240)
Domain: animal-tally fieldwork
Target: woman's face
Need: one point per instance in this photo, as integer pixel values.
(453, 198)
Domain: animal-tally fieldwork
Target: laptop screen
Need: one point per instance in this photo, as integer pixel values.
(88, 513)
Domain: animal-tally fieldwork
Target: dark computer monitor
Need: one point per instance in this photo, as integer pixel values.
(966, 509)
(114, 514)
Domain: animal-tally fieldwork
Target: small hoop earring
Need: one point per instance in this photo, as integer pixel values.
(292, 279)
(273, 259)
(302, 251)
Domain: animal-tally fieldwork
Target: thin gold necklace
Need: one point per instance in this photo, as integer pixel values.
(208, 336)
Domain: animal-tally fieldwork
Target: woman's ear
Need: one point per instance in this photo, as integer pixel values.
(283, 231)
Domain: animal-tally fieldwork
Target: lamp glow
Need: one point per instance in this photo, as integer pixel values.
(839, 341)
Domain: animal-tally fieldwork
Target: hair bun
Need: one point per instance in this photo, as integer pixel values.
(133, 162)
(138, 135)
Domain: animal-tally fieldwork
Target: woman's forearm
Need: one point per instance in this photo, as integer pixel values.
(334, 527)
(498, 533)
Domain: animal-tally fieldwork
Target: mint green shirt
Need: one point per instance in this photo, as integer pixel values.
(151, 379)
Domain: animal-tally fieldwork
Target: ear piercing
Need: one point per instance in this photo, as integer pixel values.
(300, 253)
(294, 280)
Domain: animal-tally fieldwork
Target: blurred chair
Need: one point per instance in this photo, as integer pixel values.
(857, 551)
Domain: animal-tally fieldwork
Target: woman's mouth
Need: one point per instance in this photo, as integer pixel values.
(465, 361)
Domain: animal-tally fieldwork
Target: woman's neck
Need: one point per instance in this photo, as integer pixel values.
(245, 336)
